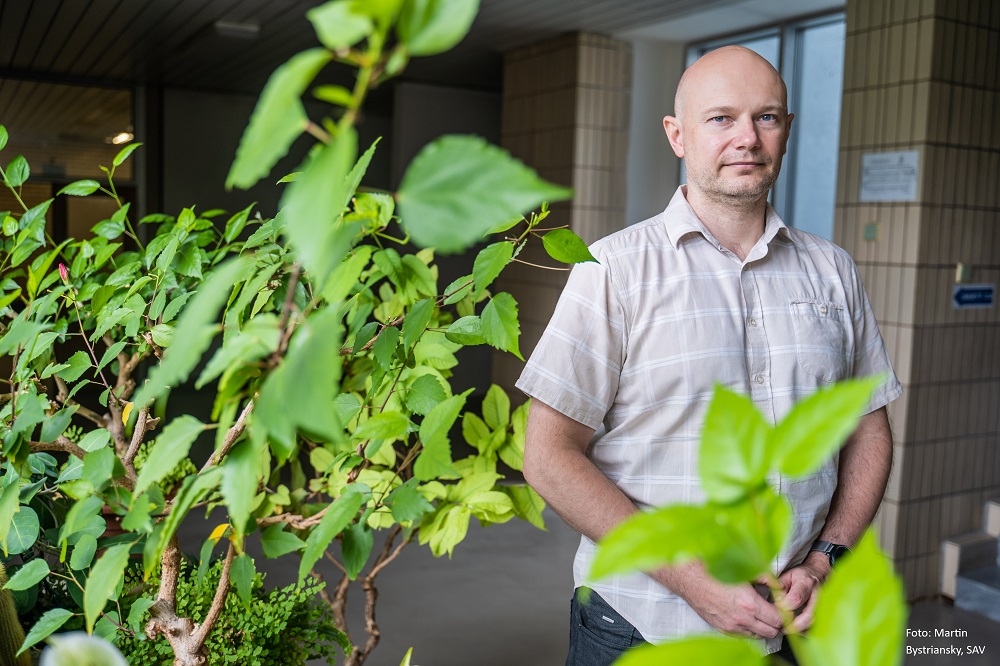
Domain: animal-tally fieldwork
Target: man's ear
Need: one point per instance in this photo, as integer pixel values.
(672, 127)
(788, 130)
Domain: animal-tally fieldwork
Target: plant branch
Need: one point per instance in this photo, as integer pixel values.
(218, 601)
(62, 395)
(232, 435)
(61, 443)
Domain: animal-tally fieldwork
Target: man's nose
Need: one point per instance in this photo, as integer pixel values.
(747, 137)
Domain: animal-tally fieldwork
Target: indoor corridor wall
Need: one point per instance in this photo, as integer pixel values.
(922, 75)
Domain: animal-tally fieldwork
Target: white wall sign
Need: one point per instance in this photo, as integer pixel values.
(889, 176)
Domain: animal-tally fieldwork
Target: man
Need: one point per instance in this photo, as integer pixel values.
(716, 289)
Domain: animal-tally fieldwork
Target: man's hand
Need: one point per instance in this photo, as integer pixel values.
(801, 585)
(732, 609)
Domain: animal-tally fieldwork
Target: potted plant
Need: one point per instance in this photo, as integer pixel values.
(321, 335)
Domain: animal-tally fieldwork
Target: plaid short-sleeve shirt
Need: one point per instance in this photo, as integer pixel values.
(638, 341)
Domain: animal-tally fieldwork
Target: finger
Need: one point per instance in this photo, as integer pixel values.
(798, 593)
(760, 629)
(805, 618)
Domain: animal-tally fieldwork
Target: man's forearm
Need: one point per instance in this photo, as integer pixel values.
(865, 462)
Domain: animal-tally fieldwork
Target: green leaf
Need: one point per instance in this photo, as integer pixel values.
(500, 327)
(445, 529)
(46, 625)
(819, 425)
(466, 331)
(95, 439)
(83, 552)
(10, 226)
(313, 204)
(734, 455)
(337, 95)
(298, 395)
(358, 541)
(496, 408)
(196, 328)
(278, 119)
(111, 353)
(17, 171)
(242, 573)
(458, 289)
(104, 578)
(407, 503)
(275, 541)
(860, 617)
(77, 364)
(139, 608)
(234, 227)
(528, 504)
(424, 393)
(258, 338)
(385, 347)
(3, 137)
(458, 187)
(668, 536)
(124, 153)
(428, 27)
(340, 24)
(23, 531)
(80, 188)
(240, 481)
(138, 518)
(346, 276)
(110, 229)
(565, 246)
(28, 575)
(387, 425)
(98, 467)
(55, 425)
(162, 334)
(416, 321)
(172, 446)
(726, 650)
(435, 460)
(490, 261)
(338, 516)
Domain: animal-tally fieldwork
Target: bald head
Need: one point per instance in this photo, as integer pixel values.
(731, 128)
(730, 67)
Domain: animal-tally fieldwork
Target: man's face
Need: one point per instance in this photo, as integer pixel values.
(732, 129)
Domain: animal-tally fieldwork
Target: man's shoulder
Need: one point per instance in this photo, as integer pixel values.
(638, 238)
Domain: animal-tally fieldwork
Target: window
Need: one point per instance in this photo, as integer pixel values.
(810, 57)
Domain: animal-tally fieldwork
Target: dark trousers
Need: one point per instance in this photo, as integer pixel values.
(598, 635)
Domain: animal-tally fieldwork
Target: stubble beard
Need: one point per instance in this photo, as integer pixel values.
(739, 192)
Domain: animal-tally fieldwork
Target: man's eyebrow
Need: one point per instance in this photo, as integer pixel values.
(729, 110)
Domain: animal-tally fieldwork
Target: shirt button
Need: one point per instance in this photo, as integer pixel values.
(822, 309)
(760, 379)
(753, 322)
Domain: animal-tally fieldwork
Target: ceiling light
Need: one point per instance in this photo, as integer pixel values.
(122, 137)
(237, 29)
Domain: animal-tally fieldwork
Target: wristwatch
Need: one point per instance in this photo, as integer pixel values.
(834, 551)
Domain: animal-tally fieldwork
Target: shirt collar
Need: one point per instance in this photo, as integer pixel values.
(680, 221)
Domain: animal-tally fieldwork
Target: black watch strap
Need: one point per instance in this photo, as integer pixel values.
(833, 551)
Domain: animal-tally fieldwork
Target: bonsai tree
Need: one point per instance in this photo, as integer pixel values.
(321, 337)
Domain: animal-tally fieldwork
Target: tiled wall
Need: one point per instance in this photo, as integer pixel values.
(923, 75)
(565, 112)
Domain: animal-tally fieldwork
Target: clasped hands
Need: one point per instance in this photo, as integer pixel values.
(741, 610)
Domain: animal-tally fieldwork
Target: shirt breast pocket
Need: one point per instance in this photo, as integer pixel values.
(820, 337)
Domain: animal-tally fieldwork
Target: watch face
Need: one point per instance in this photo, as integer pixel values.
(837, 553)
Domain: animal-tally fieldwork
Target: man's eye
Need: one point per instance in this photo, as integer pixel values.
(718, 119)
(769, 118)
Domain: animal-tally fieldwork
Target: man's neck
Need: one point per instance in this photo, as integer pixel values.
(737, 224)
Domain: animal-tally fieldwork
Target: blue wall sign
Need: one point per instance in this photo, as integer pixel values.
(968, 296)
